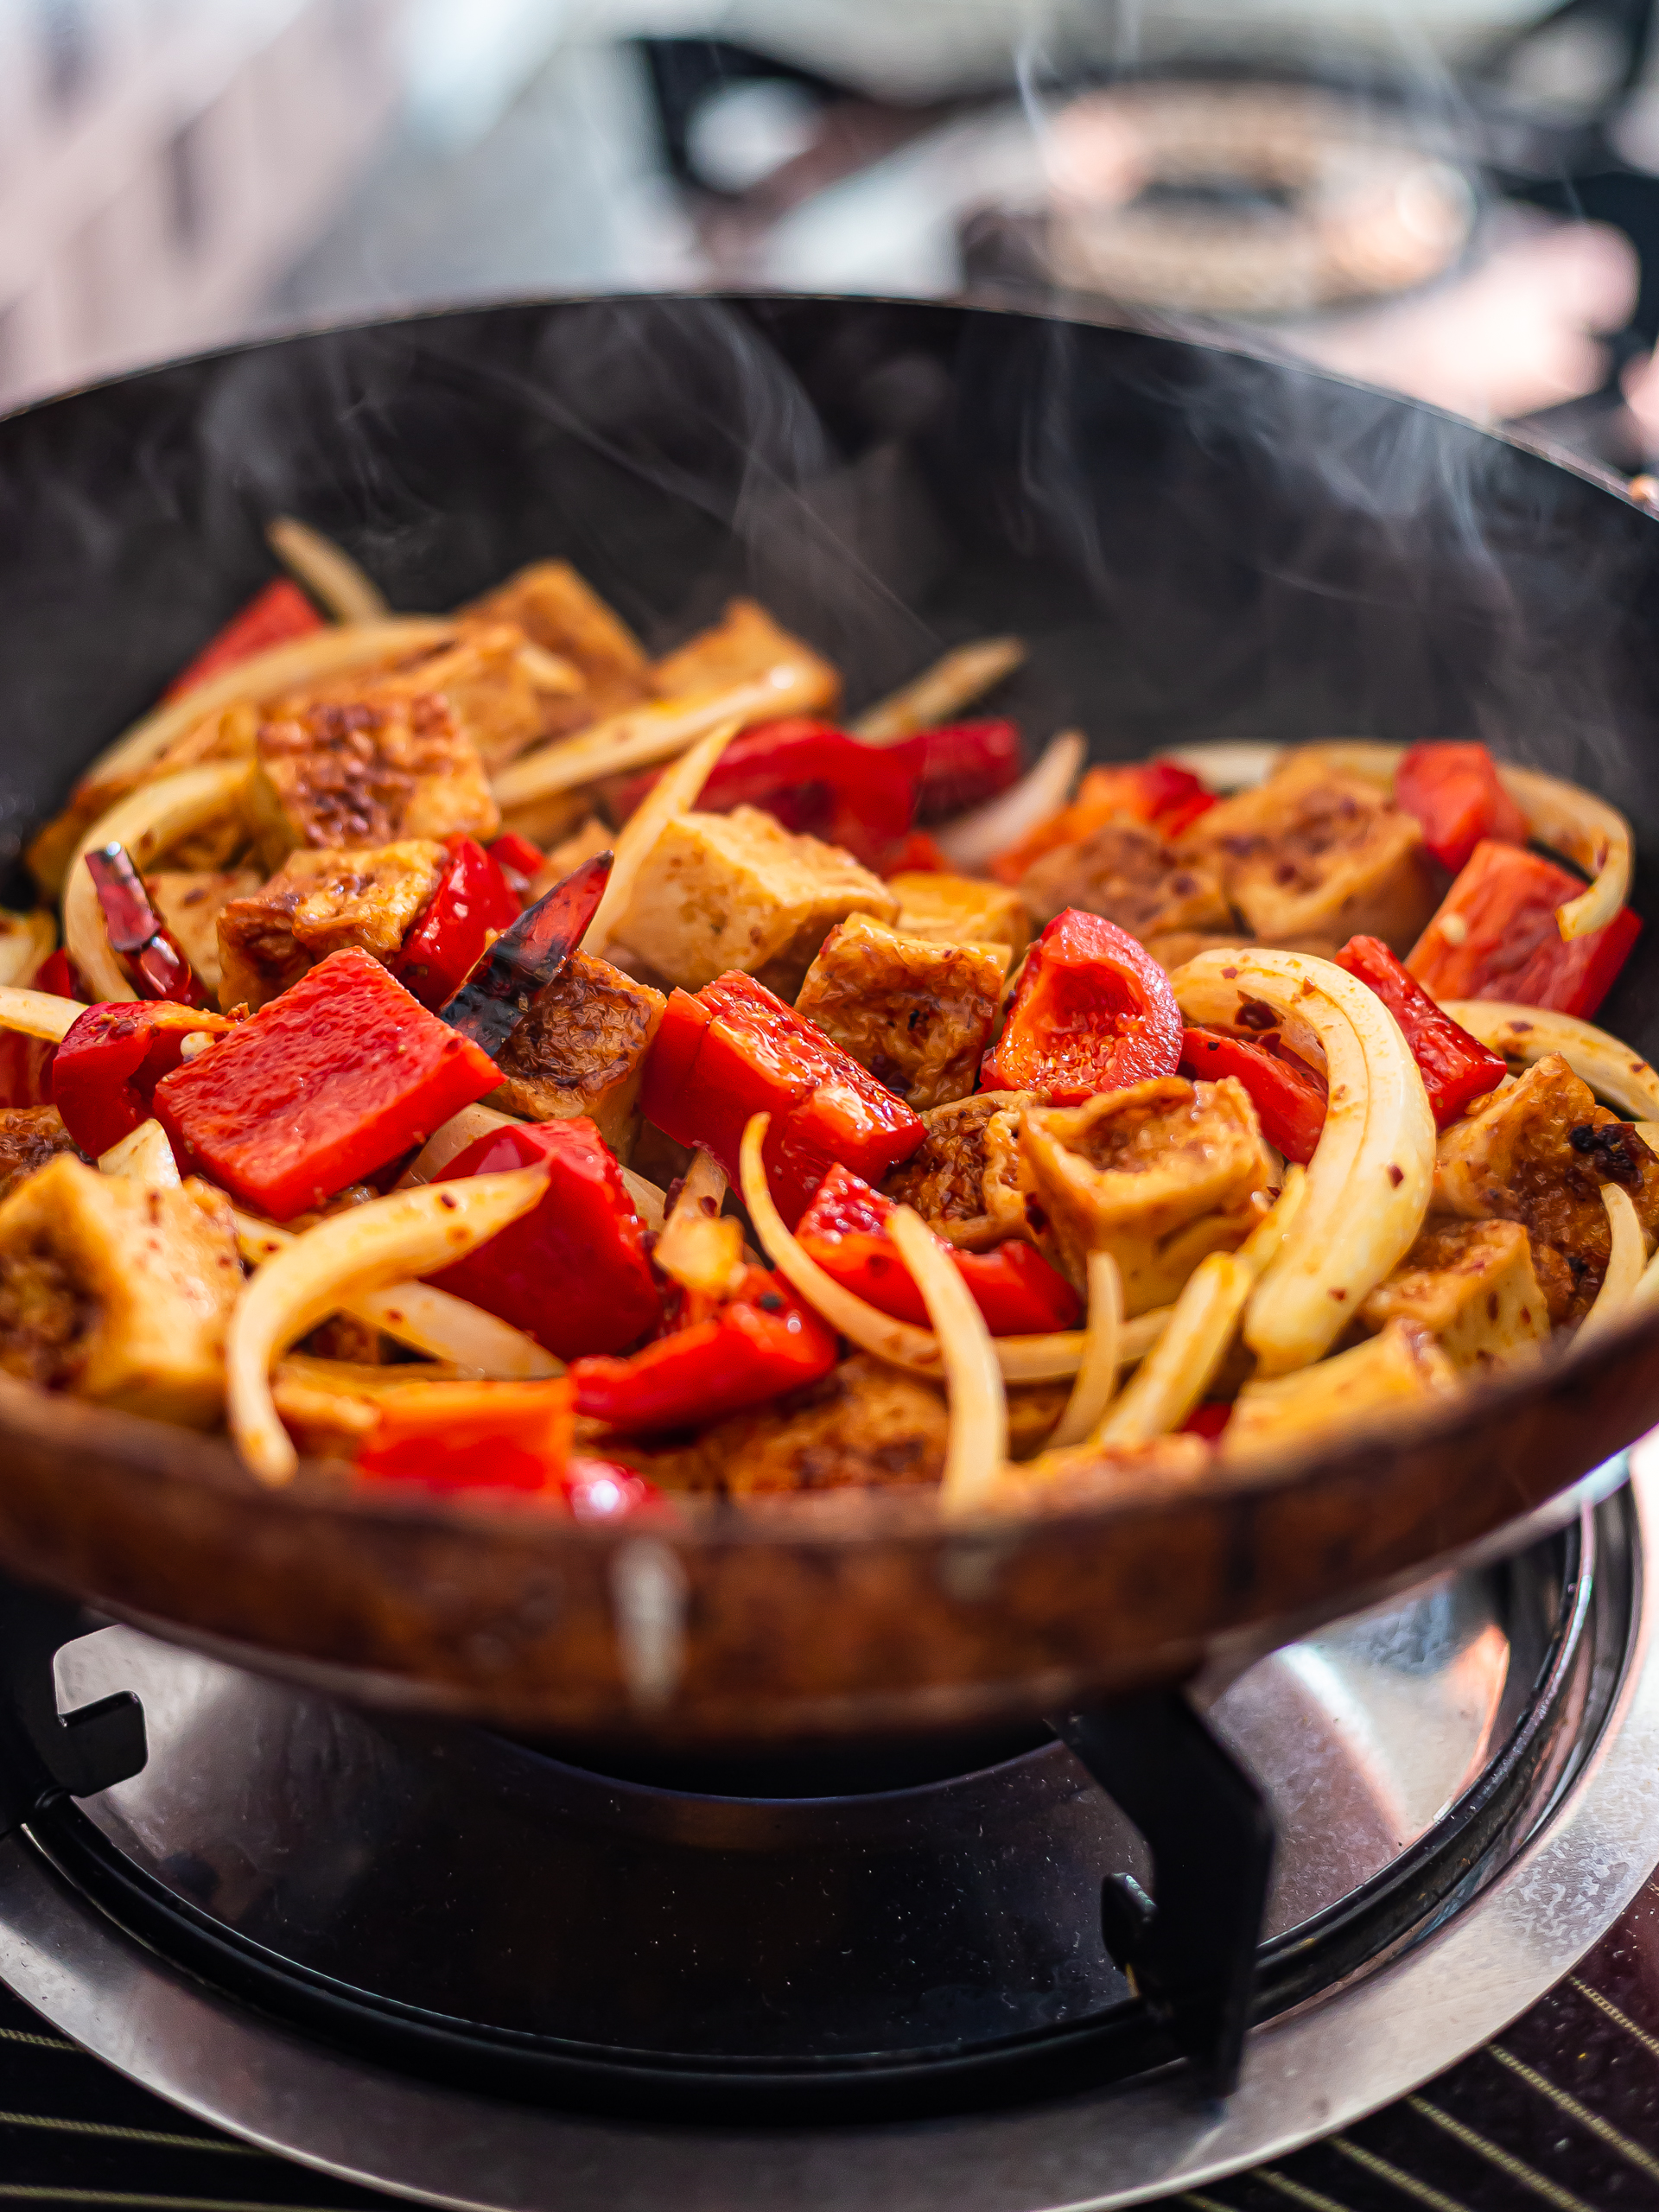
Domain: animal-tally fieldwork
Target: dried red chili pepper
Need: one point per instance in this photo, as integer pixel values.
(453, 933)
(1093, 1011)
(524, 959)
(150, 952)
(1456, 1067)
(280, 611)
(1495, 937)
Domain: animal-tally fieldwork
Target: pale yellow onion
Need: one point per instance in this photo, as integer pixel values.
(1590, 832)
(1184, 1361)
(38, 1013)
(266, 676)
(1261, 1245)
(327, 570)
(700, 1247)
(1227, 763)
(549, 671)
(649, 1202)
(974, 840)
(25, 941)
(1626, 1264)
(1372, 1170)
(978, 1441)
(1098, 1375)
(675, 793)
(954, 682)
(143, 1155)
(342, 1259)
(146, 822)
(1528, 1033)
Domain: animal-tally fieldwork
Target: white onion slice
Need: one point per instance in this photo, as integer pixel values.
(339, 1260)
(675, 794)
(1092, 1394)
(978, 1442)
(1626, 1265)
(38, 1013)
(974, 839)
(25, 941)
(1528, 1033)
(1183, 1362)
(327, 570)
(1589, 832)
(700, 1247)
(143, 1155)
(954, 681)
(1227, 763)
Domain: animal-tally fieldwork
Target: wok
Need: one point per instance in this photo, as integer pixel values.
(1197, 543)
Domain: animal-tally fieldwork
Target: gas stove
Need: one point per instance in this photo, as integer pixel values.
(501, 1973)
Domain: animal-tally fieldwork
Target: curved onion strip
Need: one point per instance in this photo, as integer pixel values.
(1369, 1178)
(1645, 1297)
(976, 838)
(649, 1202)
(638, 737)
(1626, 1265)
(145, 821)
(343, 1258)
(676, 794)
(327, 570)
(263, 675)
(143, 1155)
(700, 1247)
(1227, 763)
(1589, 832)
(978, 1440)
(1183, 1362)
(1612, 1070)
(25, 941)
(1097, 1375)
(954, 682)
(1261, 1247)
(450, 1139)
(38, 1013)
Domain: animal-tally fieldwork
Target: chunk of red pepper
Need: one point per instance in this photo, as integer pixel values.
(845, 1230)
(26, 1062)
(1289, 1100)
(1160, 793)
(472, 903)
(734, 1050)
(106, 1070)
(341, 1074)
(575, 1274)
(1093, 1011)
(452, 1436)
(757, 1346)
(149, 951)
(1455, 793)
(1495, 937)
(271, 617)
(1208, 1419)
(1456, 1067)
(917, 854)
(959, 765)
(518, 860)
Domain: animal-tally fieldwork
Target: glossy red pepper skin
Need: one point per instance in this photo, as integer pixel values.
(811, 778)
(342, 1073)
(1093, 1011)
(734, 1050)
(756, 1347)
(151, 954)
(574, 1274)
(1160, 793)
(499, 1436)
(518, 860)
(1456, 1068)
(471, 903)
(1289, 1104)
(959, 765)
(280, 611)
(1455, 794)
(915, 854)
(845, 1230)
(106, 1070)
(1503, 905)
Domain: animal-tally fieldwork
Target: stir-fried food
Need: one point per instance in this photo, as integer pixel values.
(482, 1055)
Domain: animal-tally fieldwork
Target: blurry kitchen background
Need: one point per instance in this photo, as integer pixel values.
(1459, 197)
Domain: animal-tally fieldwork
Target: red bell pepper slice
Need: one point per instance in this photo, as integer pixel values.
(518, 860)
(1289, 1100)
(525, 958)
(1456, 1067)
(1455, 793)
(1160, 793)
(148, 951)
(757, 1346)
(1093, 1011)
(574, 1273)
(1495, 937)
(916, 855)
(959, 765)
(106, 1070)
(1208, 1419)
(26, 1062)
(341, 1074)
(603, 1490)
(280, 611)
(845, 1230)
(453, 1436)
(734, 1050)
(452, 933)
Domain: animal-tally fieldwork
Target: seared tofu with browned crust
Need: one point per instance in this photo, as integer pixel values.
(504, 699)
(1471, 1285)
(320, 903)
(962, 1179)
(1158, 1175)
(1126, 873)
(581, 1049)
(960, 909)
(1399, 1370)
(1315, 853)
(29, 1137)
(724, 891)
(117, 1292)
(744, 645)
(1539, 1152)
(918, 1016)
(1175, 949)
(370, 770)
(556, 610)
(190, 902)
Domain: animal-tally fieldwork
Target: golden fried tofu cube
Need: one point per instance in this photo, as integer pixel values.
(1471, 1285)
(503, 699)
(1316, 853)
(962, 1179)
(581, 1049)
(1126, 873)
(119, 1292)
(369, 771)
(918, 1016)
(558, 611)
(723, 891)
(1158, 1175)
(318, 904)
(1399, 1368)
(190, 902)
(29, 1136)
(745, 644)
(960, 909)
